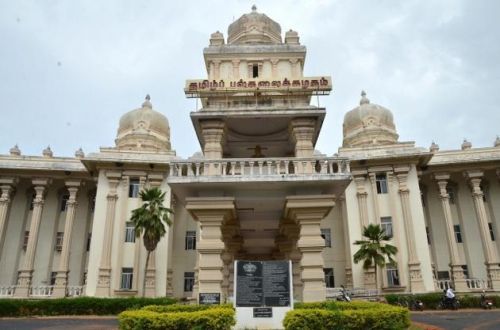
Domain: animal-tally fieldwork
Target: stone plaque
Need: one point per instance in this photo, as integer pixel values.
(263, 312)
(262, 283)
(249, 284)
(209, 298)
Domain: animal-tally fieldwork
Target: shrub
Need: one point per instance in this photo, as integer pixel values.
(214, 318)
(350, 316)
(182, 308)
(431, 300)
(75, 306)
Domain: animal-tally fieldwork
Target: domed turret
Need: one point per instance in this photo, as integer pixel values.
(254, 28)
(143, 129)
(369, 124)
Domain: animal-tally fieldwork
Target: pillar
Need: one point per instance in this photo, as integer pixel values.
(307, 212)
(490, 254)
(213, 139)
(362, 197)
(414, 270)
(232, 243)
(289, 230)
(26, 270)
(104, 280)
(6, 188)
(236, 69)
(302, 132)
(63, 270)
(211, 213)
(457, 273)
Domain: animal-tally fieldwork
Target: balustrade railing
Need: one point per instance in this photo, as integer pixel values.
(7, 290)
(41, 291)
(74, 291)
(256, 167)
(476, 284)
(443, 284)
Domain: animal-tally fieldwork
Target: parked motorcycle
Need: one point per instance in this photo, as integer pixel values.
(485, 303)
(344, 296)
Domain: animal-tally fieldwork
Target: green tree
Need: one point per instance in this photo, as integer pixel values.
(149, 221)
(374, 250)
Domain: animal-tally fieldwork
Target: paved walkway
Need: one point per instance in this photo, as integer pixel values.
(60, 323)
(466, 319)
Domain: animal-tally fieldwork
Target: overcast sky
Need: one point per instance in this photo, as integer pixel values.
(70, 69)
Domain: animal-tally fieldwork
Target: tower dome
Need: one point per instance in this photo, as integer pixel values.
(143, 129)
(369, 124)
(254, 28)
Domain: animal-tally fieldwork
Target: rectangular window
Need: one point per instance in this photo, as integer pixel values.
(255, 71)
(443, 275)
(188, 281)
(386, 224)
(422, 197)
(126, 278)
(89, 240)
(129, 232)
(53, 278)
(458, 233)
(392, 276)
(492, 233)
(327, 236)
(84, 278)
(59, 241)
(381, 180)
(64, 202)
(25, 240)
(329, 277)
(428, 233)
(190, 243)
(133, 188)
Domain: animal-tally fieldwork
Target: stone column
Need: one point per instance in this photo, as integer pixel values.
(290, 230)
(63, 270)
(349, 281)
(6, 188)
(362, 196)
(414, 270)
(211, 213)
(26, 271)
(457, 273)
(307, 212)
(302, 132)
(104, 280)
(213, 139)
(232, 243)
(490, 254)
(216, 73)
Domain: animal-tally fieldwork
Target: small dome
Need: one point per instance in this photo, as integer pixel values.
(254, 28)
(143, 129)
(15, 151)
(47, 152)
(369, 124)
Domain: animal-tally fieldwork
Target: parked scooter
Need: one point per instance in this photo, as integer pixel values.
(344, 295)
(416, 305)
(485, 303)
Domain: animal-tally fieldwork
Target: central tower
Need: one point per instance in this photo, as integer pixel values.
(259, 192)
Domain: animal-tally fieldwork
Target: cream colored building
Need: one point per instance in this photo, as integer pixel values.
(257, 191)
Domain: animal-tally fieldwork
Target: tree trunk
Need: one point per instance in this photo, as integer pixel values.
(145, 273)
(376, 283)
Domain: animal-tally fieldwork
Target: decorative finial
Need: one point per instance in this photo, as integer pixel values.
(364, 99)
(434, 147)
(497, 142)
(254, 8)
(147, 103)
(15, 151)
(466, 145)
(47, 152)
(79, 153)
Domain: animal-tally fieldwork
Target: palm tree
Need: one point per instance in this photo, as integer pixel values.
(149, 221)
(373, 250)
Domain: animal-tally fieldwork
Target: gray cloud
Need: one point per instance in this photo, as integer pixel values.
(70, 69)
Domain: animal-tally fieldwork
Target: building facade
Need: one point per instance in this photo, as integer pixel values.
(257, 191)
